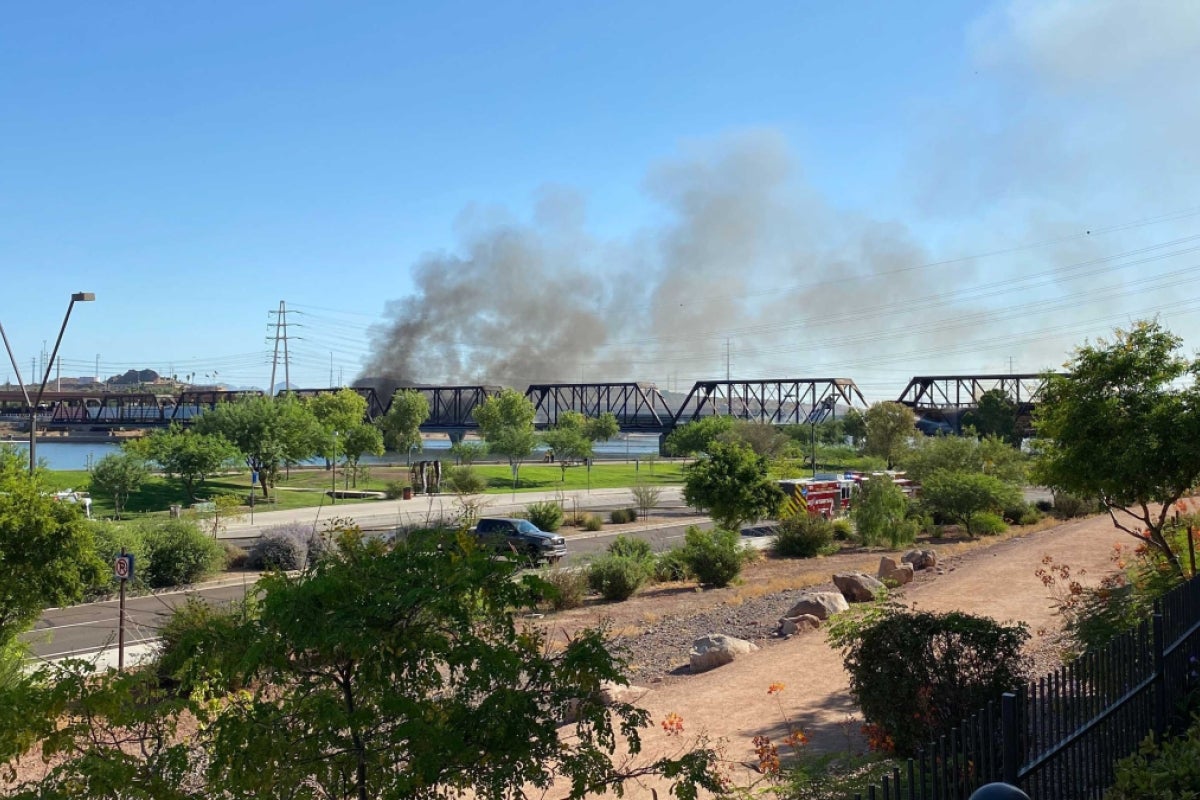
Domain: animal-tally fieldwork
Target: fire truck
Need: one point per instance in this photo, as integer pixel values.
(830, 495)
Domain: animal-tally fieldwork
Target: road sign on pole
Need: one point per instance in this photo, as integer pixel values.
(123, 567)
(122, 571)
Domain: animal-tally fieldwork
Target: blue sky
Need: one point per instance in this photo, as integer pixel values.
(632, 183)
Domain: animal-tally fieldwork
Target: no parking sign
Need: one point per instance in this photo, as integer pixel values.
(123, 567)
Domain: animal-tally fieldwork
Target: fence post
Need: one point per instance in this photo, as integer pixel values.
(1012, 749)
(1160, 679)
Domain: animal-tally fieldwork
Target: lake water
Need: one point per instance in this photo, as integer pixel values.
(81, 455)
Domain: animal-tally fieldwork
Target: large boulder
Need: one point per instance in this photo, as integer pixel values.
(856, 587)
(717, 649)
(920, 559)
(821, 605)
(899, 574)
(789, 626)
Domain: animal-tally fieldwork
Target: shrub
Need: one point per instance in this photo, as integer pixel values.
(592, 522)
(645, 498)
(843, 529)
(464, 480)
(985, 523)
(178, 553)
(281, 547)
(200, 646)
(879, 510)
(1169, 769)
(1069, 506)
(803, 536)
(1044, 506)
(235, 557)
(620, 516)
(110, 538)
(917, 675)
(547, 515)
(671, 566)
(568, 587)
(715, 557)
(394, 490)
(616, 577)
(1021, 513)
(631, 547)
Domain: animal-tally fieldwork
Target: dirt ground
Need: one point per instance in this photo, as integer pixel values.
(731, 704)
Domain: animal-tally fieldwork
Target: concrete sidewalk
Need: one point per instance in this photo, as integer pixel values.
(427, 508)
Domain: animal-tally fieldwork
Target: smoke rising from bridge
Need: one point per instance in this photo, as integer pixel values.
(746, 244)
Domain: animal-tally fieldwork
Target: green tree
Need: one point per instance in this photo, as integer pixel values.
(572, 440)
(118, 475)
(1122, 426)
(959, 496)
(854, 424)
(362, 439)
(402, 423)
(338, 413)
(420, 684)
(46, 549)
(880, 511)
(693, 438)
(267, 431)
(995, 415)
(732, 485)
(990, 455)
(188, 456)
(763, 438)
(890, 427)
(506, 424)
(467, 453)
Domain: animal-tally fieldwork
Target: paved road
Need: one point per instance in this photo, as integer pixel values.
(89, 629)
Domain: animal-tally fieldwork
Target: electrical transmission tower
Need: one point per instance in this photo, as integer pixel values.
(281, 335)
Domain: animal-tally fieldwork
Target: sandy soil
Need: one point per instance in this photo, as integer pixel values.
(732, 705)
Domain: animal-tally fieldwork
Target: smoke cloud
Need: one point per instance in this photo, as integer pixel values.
(754, 267)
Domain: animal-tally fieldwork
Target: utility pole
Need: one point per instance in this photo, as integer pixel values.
(727, 358)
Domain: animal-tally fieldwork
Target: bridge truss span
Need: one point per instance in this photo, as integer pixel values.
(778, 401)
(963, 391)
(637, 406)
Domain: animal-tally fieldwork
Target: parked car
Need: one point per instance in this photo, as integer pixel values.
(522, 537)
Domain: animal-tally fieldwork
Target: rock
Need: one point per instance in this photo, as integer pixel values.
(920, 559)
(899, 574)
(717, 649)
(611, 692)
(789, 626)
(856, 587)
(821, 605)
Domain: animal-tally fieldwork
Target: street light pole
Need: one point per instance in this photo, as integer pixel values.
(77, 297)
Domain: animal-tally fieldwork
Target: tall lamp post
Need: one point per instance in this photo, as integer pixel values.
(77, 297)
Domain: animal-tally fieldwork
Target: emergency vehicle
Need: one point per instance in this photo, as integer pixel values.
(831, 495)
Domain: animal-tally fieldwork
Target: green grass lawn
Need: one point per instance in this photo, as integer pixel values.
(305, 488)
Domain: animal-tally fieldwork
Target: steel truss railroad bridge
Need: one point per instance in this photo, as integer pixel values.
(638, 407)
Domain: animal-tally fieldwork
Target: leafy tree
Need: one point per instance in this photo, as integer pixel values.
(880, 510)
(1122, 426)
(732, 485)
(188, 455)
(889, 428)
(402, 423)
(959, 496)
(267, 431)
(506, 424)
(854, 424)
(763, 438)
(696, 437)
(990, 455)
(420, 684)
(467, 453)
(118, 475)
(360, 440)
(572, 439)
(996, 415)
(46, 549)
(338, 414)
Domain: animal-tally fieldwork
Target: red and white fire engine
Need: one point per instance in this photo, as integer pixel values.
(831, 495)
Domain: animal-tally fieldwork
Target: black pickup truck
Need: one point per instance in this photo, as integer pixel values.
(522, 537)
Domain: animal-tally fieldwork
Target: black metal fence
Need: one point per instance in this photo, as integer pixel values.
(1060, 736)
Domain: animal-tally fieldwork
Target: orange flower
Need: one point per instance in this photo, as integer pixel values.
(673, 724)
(796, 739)
(775, 688)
